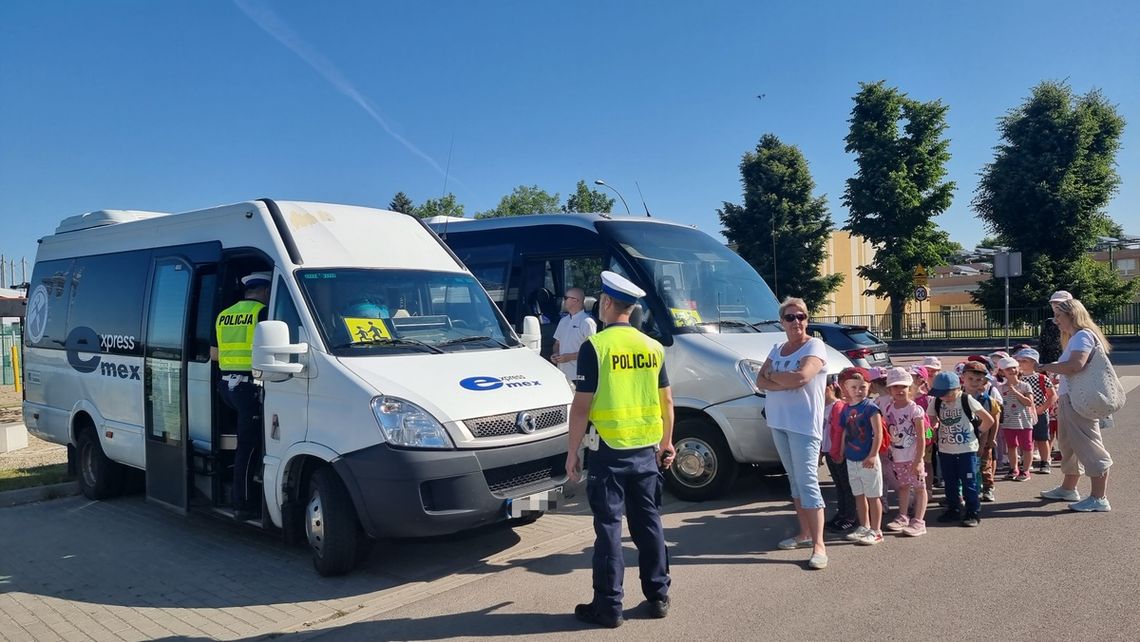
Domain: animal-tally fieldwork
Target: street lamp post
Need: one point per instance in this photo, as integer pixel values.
(605, 184)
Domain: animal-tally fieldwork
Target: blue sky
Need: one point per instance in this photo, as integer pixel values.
(177, 105)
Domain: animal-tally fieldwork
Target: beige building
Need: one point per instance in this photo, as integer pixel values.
(845, 253)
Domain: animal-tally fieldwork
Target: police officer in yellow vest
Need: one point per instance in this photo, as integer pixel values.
(623, 393)
(234, 330)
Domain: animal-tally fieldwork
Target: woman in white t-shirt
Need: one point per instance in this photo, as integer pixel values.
(1082, 448)
(794, 377)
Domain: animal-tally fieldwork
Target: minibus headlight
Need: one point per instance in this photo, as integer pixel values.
(750, 369)
(403, 423)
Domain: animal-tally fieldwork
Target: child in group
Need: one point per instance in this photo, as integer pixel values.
(920, 393)
(862, 437)
(1044, 394)
(954, 415)
(1017, 419)
(881, 397)
(906, 427)
(975, 382)
(844, 519)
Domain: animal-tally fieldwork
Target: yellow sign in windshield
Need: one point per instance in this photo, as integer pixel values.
(683, 317)
(363, 330)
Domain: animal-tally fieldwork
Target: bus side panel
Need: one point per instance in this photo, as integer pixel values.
(50, 391)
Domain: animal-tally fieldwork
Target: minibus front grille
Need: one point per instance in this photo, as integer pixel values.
(507, 481)
(508, 423)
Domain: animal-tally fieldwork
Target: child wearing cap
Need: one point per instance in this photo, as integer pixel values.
(975, 383)
(956, 416)
(844, 519)
(1044, 394)
(920, 393)
(907, 430)
(1017, 419)
(862, 437)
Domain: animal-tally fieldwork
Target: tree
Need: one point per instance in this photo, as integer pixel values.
(402, 204)
(585, 199)
(442, 206)
(525, 199)
(781, 215)
(898, 188)
(1044, 194)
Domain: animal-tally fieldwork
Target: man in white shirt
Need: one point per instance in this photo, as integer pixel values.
(573, 329)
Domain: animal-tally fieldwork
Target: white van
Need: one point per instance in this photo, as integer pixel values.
(440, 420)
(715, 315)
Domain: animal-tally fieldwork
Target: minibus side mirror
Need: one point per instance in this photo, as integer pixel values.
(271, 350)
(532, 333)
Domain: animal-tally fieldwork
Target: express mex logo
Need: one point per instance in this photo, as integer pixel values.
(85, 348)
(482, 383)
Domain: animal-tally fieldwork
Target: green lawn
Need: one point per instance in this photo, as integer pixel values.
(28, 477)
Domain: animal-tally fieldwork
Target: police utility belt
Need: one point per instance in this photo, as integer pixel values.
(593, 441)
(233, 379)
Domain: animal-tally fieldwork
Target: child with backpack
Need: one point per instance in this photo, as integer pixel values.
(906, 428)
(1044, 394)
(862, 437)
(975, 382)
(844, 519)
(960, 422)
(1017, 419)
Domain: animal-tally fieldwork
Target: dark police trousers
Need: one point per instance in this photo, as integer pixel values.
(244, 399)
(626, 481)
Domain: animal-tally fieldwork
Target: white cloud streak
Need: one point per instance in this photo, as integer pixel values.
(270, 23)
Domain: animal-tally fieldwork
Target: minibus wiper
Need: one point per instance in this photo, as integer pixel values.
(394, 341)
(732, 323)
(469, 339)
(757, 325)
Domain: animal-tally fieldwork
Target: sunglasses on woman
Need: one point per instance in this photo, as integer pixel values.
(799, 316)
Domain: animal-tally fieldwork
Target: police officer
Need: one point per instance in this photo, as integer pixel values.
(623, 393)
(234, 330)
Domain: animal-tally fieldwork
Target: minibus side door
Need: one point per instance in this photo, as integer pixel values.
(164, 382)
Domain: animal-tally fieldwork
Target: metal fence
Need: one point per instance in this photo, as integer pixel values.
(975, 324)
(9, 338)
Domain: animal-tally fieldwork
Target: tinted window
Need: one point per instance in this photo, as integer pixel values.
(46, 322)
(862, 336)
(204, 317)
(285, 310)
(107, 296)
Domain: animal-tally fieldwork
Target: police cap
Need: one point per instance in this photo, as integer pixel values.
(620, 288)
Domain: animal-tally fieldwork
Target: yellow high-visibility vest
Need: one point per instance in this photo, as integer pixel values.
(234, 328)
(626, 409)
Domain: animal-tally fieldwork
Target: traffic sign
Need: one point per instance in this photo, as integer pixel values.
(920, 276)
(921, 293)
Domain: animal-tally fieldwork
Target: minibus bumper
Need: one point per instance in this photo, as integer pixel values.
(419, 493)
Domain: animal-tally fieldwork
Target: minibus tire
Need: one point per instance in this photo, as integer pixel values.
(703, 453)
(99, 477)
(330, 524)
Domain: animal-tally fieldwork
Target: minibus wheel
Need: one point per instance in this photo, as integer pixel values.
(330, 524)
(99, 477)
(704, 467)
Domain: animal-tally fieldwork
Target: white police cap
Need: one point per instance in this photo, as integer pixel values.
(256, 279)
(620, 288)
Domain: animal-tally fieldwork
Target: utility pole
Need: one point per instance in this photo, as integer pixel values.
(23, 270)
(3, 263)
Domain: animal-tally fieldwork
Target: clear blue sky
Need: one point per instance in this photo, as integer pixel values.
(176, 105)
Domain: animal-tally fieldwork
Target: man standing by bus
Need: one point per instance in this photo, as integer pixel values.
(234, 333)
(623, 392)
(572, 330)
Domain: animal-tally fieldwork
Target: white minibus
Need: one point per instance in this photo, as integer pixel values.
(435, 420)
(715, 315)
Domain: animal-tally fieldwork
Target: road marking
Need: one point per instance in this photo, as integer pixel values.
(1130, 383)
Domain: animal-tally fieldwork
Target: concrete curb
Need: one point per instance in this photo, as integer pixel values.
(38, 494)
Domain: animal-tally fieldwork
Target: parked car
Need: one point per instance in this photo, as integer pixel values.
(857, 342)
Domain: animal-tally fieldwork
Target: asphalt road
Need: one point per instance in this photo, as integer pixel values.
(1033, 570)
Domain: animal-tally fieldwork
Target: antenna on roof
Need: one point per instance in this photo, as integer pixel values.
(446, 173)
(642, 200)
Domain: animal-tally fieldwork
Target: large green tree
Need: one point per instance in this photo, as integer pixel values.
(780, 214)
(898, 188)
(523, 200)
(402, 203)
(445, 205)
(1044, 194)
(588, 200)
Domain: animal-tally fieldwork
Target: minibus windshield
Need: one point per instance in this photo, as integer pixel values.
(366, 312)
(705, 286)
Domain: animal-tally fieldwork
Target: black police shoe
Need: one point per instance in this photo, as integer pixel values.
(659, 608)
(588, 614)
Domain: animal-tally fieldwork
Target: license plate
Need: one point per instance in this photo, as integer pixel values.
(880, 356)
(542, 502)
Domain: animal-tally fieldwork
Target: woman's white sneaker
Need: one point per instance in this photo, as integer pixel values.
(1091, 504)
(1062, 494)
